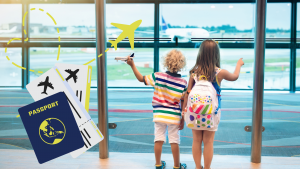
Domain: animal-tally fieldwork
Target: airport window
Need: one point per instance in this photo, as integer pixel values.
(119, 74)
(278, 26)
(127, 14)
(42, 59)
(233, 21)
(13, 74)
(10, 27)
(77, 23)
(229, 58)
(277, 69)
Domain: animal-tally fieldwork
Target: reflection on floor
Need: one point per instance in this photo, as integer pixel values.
(131, 110)
(26, 159)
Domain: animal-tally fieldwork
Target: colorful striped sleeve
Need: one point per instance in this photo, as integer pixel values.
(149, 79)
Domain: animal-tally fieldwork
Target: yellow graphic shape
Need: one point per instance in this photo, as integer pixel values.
(96, 129)
(58, 49)
(89, 62)
(48, 130)
(23, 23)
(60, 75)
(209, 112)
(18, 66)
(12, 40)
(128, 31)
(190, 125)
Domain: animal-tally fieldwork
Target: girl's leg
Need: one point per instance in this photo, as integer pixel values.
(208, 152)
(157, 151)
(196, 149)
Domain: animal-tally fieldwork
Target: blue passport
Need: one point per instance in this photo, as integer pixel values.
(51, 127)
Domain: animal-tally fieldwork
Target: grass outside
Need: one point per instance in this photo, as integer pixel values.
(43, 52)
(114, 72)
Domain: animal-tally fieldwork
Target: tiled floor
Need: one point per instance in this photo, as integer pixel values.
(26, 159)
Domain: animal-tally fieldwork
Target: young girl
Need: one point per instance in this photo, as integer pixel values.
(208, 65)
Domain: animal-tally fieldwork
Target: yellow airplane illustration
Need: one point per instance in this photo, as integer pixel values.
(128, 31)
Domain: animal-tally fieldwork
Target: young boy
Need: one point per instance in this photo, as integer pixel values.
(169, 89)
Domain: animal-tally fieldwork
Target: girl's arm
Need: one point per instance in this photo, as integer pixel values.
(190, 86)
(224, 74)
(136, 72)
(183, 106)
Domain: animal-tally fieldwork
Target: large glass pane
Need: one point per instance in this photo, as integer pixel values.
(75, 21)
(42, 59)
(278, 22)
(298, 70)
(229, 58)
(277, 66)
(282, 122)
(127, 14)
(277, 69)
(11, 21)
(10, 74)
(119, 74)
(207, 21)
(12, 132)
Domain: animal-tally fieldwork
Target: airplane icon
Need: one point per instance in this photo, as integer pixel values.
(46, 84)
(72, 74)
(128, 31)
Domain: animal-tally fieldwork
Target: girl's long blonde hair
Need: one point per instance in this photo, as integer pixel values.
(207, 60)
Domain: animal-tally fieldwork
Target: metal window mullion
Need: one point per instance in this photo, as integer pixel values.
(25, 49)
(156, 35)
(258, 83)
(102, 78)
(293, 46)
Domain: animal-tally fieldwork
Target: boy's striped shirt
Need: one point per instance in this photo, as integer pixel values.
(168, 90)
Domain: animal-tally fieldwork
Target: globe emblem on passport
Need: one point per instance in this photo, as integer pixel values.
(52, 131)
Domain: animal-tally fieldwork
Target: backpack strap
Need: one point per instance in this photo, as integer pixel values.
(218, 70)
(196, 78)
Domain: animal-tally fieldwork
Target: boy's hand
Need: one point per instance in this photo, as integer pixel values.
(181, 125)
(130, 61)
(240, 62)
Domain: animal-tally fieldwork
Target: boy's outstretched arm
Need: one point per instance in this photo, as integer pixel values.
(224, 74)
(136, 72)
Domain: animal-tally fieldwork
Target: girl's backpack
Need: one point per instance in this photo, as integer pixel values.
(201, 106)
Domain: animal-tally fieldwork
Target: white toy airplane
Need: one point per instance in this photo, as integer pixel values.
(124, 58)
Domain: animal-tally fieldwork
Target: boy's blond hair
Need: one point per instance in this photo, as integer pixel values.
(174, 61)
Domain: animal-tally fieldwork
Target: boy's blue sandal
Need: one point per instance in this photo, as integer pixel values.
(182, 166)
(162, 166)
